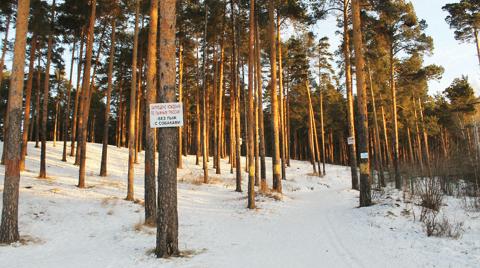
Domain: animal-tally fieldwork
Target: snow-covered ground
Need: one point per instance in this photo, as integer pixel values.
(316, 224)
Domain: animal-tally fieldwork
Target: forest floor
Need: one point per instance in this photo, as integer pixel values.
(316, 223)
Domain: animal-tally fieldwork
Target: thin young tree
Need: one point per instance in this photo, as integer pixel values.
(103, 165)
(28, 96)
(46, 90)
(9, 224)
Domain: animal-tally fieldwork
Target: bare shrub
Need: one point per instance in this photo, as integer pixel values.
(440, 226)
(430, 193)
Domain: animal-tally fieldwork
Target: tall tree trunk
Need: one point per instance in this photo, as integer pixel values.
(37, 102)
(426, 148)
(9, 224)
(67, 114)
(2, 63)
(103, 165)
(4, 49)
(348, 82)
(378, 149)
(204, 100)
(82, 131)
(477, 43)
(131, 119)
(277, 183)
(150, 187)
(311, 143)
(77, 95)
(220, 99)
(55, 122)
(251, 113)
(238, 133)
(398, 179)
(46, 89)
(180, 99)
(322, 130)
(26, 121)
(167, 221)
(198, 128)
(365, 187)
(261, 130)
(283, 141)
(388, 154)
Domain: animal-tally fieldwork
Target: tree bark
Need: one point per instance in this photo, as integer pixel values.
(283, 141)
(348, 83)
(311, 144)
(82, 135)
(150, 185)
(180, 99)
(398, 179)
(204, 101)
(131, 119)
(67, 114)
(167, 215)
(26, 121)
(261, 130)
(77, 95)
(251, 113)
(46, 89)
(365, 183)
(277, 183)
(9, 223)
(103, 165)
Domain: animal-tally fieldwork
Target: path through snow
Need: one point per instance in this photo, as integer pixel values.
(317, 224)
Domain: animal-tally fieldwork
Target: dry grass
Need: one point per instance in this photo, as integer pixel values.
(199, 180)
(141, 227)
(109, 201)
(271, 194)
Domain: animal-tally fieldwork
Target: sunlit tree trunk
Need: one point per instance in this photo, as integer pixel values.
(46, 89)
(82, 131)
(66, 122)
(311, 144)
(283, 141)
(37, 102)
(150, 185)
(167, 215)
(77, 95)
(103, 165)
(131, 121)
(9, 223)
(277, 183)
(348, 83)
(398, 179)
(378, 149)
(322, 130)
(251, 113)
(28, 96)
(204, 101)
(220, 100)
(261, 126)
(180, 99)
(365, 191)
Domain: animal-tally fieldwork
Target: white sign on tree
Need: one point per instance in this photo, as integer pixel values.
(166, 114)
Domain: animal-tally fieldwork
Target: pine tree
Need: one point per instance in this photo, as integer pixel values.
(9, 223)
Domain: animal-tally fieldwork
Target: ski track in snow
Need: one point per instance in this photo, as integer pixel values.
(316, 224)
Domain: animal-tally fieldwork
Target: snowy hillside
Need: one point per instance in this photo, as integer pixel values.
(315, 224)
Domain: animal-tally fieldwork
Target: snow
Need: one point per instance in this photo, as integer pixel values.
(315, 224)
